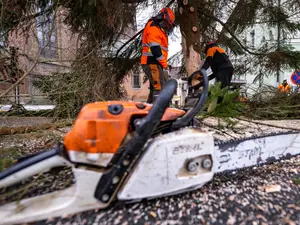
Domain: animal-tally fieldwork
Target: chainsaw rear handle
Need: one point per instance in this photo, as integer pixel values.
(124, 160)
(189, 116)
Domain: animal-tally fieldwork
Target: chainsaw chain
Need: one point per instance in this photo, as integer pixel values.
(219, 143)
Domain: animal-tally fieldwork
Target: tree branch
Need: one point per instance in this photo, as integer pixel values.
(31, 68)
(267, 124)
(21, 78)
(232, 34)
(138, 33)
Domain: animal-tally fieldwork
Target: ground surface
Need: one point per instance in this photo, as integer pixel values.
(15, 121)
(235, 199)
(240, 198)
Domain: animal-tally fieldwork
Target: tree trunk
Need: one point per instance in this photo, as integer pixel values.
(190, 35)
(278, 42)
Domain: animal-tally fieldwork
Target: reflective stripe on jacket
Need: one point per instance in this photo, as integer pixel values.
(154, 45)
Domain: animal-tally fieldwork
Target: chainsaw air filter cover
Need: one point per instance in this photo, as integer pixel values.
(101, 128)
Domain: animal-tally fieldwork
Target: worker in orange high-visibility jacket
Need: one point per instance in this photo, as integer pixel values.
(155, 50)
(284, 87)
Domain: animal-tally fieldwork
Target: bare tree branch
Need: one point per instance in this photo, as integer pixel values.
(23, 77)
(138, 33)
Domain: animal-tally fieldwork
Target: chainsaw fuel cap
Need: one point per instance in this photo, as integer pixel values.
(115, 109)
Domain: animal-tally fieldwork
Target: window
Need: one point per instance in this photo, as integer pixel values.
(245, 41)
(136, 82)
(296, 35)
(32, 87)
(46, 34)
(252, 33)
(2, 39)
(271, 35)
(284, 35)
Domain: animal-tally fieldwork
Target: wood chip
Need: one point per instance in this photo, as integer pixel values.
(231, 197)
(260, 207)
(153, 214)
(294, 170)
(272, 188)
(261, 217)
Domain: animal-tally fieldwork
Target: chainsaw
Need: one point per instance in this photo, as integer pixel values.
(129, 151)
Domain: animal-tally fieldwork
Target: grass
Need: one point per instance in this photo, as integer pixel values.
(8, 157)
(8, 154)
(296, 180)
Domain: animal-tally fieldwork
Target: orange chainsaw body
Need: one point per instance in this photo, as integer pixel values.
(102, 126)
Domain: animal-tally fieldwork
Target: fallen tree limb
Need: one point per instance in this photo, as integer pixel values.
(271, 125)
(28, 129)
(23, 76)
(216, 128)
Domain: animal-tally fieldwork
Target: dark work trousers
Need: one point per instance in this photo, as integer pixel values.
(156, 78)
(224, 76)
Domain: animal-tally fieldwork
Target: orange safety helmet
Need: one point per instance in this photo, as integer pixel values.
(167, 17)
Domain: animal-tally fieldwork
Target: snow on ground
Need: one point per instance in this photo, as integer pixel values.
(5, 108)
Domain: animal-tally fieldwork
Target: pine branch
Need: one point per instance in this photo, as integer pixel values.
(137, 34)
(232, 34)
(267, 124)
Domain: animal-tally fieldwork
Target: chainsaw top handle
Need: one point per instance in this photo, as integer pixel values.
(189, 116)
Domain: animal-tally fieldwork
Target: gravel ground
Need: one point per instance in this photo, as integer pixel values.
(54, 180)
(244, 197)
(30, 143)
(240, 198)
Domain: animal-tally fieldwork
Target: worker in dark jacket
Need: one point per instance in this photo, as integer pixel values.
(155, 50)
(218, 60)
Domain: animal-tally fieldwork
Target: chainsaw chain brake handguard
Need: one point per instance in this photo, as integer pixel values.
(195, 82)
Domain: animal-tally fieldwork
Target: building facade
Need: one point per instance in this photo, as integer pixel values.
(253, 39)
(57, 46)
